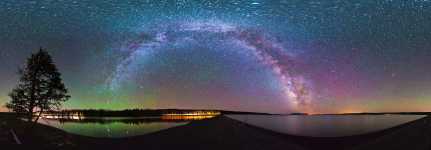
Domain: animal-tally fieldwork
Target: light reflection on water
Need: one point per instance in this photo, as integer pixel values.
(326, 125)
(116, 127)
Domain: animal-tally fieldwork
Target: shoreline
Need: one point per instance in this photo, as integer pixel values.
(220, 132)
(335, 143)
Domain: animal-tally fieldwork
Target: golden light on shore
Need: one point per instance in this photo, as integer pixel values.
(190, 115)
(181, 117)
(195, 113)
(74, 116)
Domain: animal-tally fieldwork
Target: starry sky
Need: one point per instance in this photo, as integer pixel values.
(257, 55)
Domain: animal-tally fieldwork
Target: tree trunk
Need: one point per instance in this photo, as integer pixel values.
(30, 116)
(38, 116)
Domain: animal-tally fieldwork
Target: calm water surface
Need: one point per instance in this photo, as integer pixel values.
(326, 125)
(112, 127)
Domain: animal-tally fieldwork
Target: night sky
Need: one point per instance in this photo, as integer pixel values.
(257, 55)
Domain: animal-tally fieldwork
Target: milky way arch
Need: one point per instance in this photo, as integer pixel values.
(269, 53)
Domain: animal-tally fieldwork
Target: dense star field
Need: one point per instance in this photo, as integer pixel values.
(257, 55)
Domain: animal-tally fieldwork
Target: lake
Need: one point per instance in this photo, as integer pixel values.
(301, 125)
(117, 127)
(326, 125)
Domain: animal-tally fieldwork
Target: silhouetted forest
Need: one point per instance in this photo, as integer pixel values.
(127, 121)
(141, 112)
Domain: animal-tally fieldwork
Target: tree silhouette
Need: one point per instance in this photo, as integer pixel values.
(40, 87)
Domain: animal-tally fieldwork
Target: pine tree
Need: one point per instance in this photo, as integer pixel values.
(40, 87)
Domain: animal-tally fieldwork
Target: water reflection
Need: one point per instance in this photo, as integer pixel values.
(116, 127)
(326, 125)
(132, 120)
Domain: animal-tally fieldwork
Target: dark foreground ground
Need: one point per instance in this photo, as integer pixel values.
(217, 133)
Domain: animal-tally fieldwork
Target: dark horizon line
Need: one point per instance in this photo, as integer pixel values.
(169, 109)
(228, 110)
(244, 112)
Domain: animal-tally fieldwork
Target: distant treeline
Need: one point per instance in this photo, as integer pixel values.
(126, 121)
(139, 112)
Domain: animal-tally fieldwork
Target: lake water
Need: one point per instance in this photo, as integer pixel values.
(326, 125)
(113, 127)
(312, 126)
